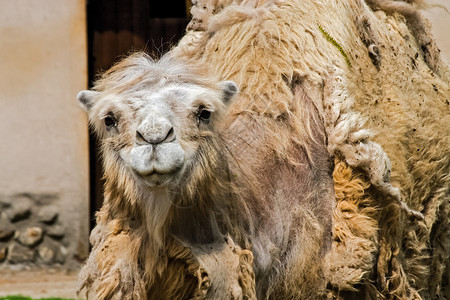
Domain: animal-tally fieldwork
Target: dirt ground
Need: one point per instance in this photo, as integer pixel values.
(39, 283)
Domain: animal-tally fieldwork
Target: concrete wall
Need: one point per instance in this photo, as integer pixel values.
(43, 133)
(440, 21)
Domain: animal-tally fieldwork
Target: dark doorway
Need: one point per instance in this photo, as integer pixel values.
(116, 28)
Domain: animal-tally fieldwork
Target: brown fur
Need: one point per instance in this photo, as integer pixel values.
(401, 107)
(380, 127)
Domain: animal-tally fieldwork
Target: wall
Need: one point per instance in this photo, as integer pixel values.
(43, 132)
(440, 21)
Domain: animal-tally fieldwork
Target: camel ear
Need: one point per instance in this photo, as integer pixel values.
(230, 89)
(86, 99)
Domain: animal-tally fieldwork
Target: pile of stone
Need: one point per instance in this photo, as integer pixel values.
(30, 231)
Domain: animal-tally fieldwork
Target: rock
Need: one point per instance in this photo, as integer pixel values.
(56, 231)
(3, 252)
(19, 254)
(6, 229)
(45, 198)
(61, 255)
(46, 254)
(5, 202)
(48, 214)
(20, 208)
(47, 251)
(50, 252)
(30, 236)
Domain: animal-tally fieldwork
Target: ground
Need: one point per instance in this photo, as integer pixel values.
(39, 283)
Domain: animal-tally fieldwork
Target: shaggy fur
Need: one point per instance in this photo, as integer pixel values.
(377, 130)
(388, 128)
(171, 244)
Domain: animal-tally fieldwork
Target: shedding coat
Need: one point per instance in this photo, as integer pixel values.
(359, 84)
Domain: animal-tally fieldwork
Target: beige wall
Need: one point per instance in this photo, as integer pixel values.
(43, 132)
(440, 21)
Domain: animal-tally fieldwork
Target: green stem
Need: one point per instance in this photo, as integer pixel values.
(336, 44)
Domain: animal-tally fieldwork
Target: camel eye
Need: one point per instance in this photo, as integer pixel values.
(110, 121)
(204, 115)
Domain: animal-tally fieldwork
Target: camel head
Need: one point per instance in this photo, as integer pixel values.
(152, 117)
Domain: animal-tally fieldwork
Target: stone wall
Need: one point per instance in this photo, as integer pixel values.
(31, 230)
(44, 184)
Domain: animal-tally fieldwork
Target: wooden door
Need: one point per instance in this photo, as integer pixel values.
(116, 28)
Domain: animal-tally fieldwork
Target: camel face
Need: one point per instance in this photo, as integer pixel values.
(168, 128)
(155, 124)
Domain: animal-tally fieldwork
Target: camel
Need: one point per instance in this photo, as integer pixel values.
(283, 150)
(160, 123)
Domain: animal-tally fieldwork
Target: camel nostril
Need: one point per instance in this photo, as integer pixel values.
(140, 139)
(155, 138)
(170, 136)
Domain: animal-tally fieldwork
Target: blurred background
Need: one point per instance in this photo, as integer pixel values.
(50, 173)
